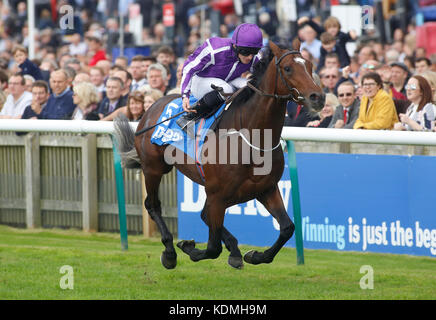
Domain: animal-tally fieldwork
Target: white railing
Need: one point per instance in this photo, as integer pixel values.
(289, 133)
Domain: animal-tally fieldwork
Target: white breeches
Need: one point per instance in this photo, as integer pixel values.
(200, 86)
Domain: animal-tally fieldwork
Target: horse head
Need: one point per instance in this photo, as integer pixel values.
(294, 77)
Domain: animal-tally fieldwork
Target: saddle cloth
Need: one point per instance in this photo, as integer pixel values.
(169, 132)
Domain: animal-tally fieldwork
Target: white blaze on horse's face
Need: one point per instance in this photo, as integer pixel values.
(303, 63)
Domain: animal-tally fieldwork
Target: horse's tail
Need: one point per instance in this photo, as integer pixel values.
(126, 143)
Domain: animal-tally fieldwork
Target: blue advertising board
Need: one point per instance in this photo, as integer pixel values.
(349, 202)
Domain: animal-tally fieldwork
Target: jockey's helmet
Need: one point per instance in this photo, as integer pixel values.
(247, 38)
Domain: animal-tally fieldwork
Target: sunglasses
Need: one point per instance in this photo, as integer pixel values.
(248, 51)
(410, 87)
(368, 85)
(368, 66)
(345, 95)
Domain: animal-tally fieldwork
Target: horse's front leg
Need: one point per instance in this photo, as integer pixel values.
(215, 218)
(273, 202)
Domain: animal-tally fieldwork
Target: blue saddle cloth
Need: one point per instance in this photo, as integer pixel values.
(169, 132)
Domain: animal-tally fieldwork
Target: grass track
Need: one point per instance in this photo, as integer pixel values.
(30, 261)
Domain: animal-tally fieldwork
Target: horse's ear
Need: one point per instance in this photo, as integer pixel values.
(274, 48)
(296, 44)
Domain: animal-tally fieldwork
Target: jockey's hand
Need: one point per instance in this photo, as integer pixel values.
(186, 106)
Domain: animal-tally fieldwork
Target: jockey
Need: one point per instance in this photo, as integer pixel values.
(219, 61)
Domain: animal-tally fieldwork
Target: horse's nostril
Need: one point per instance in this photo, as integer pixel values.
(315, 97)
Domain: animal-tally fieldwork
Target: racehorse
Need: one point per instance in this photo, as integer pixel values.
(281, 75)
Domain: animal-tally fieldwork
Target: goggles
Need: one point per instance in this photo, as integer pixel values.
(246, 51)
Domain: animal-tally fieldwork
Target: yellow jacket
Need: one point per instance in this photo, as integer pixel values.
(381, 115)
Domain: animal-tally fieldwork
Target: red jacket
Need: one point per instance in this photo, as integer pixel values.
(99, 55)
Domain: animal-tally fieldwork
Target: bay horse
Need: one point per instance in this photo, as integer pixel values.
(281, 75)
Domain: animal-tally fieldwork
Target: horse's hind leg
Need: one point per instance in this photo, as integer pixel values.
(273, 202)
(152, 204)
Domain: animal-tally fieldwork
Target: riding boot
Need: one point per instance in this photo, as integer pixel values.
(204, 107)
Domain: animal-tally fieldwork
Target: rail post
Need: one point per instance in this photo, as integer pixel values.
(296, 205)
(119, 181)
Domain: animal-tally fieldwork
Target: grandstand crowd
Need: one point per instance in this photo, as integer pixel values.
(75, 75)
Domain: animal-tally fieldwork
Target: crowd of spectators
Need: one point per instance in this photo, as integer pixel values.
(74, 75)
(378, 86)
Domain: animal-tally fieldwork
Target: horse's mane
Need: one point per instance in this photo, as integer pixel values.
(256, 78)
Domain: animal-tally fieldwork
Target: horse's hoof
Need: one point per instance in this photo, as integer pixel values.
(235, 262)
(168, 260)
(253, 257)
(186, 245)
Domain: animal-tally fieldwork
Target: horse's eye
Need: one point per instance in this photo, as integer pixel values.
(287, 69)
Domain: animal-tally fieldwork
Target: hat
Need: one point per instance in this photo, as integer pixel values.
(400, 65)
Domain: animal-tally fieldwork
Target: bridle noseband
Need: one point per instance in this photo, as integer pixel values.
(298, 98)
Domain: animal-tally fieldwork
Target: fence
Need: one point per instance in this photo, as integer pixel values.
(67, 180)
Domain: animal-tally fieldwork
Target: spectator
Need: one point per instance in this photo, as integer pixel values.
(81, 77)
(166, 57)
(328, 43)
(347, 112)
(399, 76)
(73, 63)
(430, 76)
(366, 53)
(422, 64)
(150, 97)
(337, 41)
(421, 114)
(126, 77)
(23, 62)
(377, 109)
(134, 109)
(96, 76)
(60, 103)
(114, 98)
(40, 95)
(4, 78)
(18, 98)
(157, 77)
(137, 71)
(178, 86)
(326, 113)
(311, 43)
(329, 78)
(122, 61)
(86, 98)
(105, 65)
(332, 60)
(77, 47)
(298, 116)
(385, 72)
(95, 47)
(29, 80)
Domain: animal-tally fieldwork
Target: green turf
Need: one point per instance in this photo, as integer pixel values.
(30, 262)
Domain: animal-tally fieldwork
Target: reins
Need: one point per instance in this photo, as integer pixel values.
(289, 96)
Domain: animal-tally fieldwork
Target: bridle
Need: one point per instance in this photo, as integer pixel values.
(297, 98)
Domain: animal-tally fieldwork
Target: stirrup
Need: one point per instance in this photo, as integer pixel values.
(187, 123)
